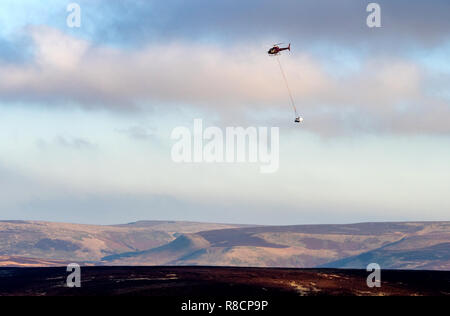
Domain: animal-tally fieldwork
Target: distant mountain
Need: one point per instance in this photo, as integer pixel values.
(88, 243)
(416, 245)
(394, 256)
(186, 244)
(12, 261)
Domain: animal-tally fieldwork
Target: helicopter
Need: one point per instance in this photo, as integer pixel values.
(275, 50)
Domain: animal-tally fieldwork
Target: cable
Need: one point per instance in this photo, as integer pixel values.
(287, 86)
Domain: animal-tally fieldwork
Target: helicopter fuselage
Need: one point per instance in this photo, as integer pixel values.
(276, 50)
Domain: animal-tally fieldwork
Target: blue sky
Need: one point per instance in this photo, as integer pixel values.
(86, 113)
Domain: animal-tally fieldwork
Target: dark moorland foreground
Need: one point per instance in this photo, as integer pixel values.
(220, 282)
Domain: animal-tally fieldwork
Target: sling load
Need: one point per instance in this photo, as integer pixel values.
(275, 51)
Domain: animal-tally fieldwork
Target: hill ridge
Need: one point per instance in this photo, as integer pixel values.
(394, 244)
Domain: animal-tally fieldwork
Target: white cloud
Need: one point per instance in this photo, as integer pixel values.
(230, 80)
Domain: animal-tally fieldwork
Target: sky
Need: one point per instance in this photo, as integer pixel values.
(86, 114)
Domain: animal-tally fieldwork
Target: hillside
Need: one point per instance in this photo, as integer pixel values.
(424, 246)
(87, 243)
(407, 245)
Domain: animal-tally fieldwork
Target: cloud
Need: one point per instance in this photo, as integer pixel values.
(10, 52)
(382, 95)
(68, 69)
(138, 132)
(308, 21)
(77, 143)
(67, 142)
(17, 186)
(209, 57)
(56, 50)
